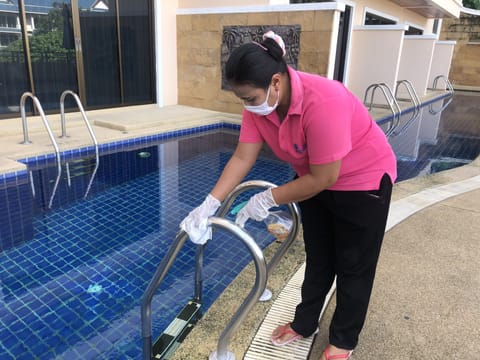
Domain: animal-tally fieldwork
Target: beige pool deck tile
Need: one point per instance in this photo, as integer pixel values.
(108, 125)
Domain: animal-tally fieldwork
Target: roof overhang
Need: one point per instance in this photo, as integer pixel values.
(432, 8)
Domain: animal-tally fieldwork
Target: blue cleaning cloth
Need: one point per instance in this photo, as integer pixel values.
(237, 208)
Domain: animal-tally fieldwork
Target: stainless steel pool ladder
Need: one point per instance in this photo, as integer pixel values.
(413, 98)
(392, 104)
(26, 140)
(90, 130)
(448, 88)
(263, 270)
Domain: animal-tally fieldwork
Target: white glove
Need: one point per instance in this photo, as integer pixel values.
(256, 208)
(195, 224)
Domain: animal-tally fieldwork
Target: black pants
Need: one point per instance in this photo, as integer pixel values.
(343, 233)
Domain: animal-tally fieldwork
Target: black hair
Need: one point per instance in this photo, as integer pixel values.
(255, 63)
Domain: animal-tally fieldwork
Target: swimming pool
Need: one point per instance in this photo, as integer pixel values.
(72, 277)
(438, 140)
(74, 289)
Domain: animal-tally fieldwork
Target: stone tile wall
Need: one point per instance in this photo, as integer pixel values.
(199, 40)
(465, 69)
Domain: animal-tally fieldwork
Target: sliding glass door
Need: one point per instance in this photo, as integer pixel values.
(136, 56)
(51, 51)
(102, 50)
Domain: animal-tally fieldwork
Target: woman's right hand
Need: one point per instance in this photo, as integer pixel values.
(195, 223)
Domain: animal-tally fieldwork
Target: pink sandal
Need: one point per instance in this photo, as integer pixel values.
(338, 356)
(285, 330)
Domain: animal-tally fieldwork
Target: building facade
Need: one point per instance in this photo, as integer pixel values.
(123, 53)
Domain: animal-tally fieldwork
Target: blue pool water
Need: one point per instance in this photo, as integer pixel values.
(72, 276)
(74, 290)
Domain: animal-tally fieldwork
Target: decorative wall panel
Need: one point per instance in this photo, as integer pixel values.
(234, 36)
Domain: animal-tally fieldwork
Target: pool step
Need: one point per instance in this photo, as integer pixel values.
(176, 332)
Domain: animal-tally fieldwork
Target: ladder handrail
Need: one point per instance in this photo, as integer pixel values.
(450, 90)
(260, 283)
(90, 130)
(26, 140)
(448, 84)
(293, 208)
(414, 99)
(158, 276)
(167, 261)
(222, 352)
(238, 317)
(391, 101)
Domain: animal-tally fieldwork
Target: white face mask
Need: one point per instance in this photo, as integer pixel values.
(263, 109)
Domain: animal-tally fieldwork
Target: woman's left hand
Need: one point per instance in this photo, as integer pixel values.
(256, 208)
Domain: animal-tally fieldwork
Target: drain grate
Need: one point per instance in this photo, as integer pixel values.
(282, 311)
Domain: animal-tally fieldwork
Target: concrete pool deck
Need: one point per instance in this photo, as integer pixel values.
(424, 303)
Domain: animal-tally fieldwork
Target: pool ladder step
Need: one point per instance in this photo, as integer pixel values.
(177, 331)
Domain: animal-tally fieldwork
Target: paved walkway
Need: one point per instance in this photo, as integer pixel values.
(425, 302)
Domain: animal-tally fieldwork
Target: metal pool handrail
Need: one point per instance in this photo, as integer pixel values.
(292, 207)
(392, 104)
(448, 87)
(26, 140)
(222, 352)
(259, 286)
(90, 130)
(414, 99)
(260, 281)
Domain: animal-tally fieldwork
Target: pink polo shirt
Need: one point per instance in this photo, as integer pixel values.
(325, 123)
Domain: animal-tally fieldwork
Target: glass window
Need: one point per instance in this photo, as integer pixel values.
(13, 74)
(110, 63)
(51, 51)
(436, 26)
(374, 19)
(137, 54)
(100, 55)
(8, 20)
(412, 30)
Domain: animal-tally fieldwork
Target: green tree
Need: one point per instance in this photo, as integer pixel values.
(46, 43)
(53, 21)
(472, 4)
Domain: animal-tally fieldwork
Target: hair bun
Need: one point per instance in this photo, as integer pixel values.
(277, 38)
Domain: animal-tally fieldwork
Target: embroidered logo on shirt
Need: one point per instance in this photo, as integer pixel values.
(300, 149)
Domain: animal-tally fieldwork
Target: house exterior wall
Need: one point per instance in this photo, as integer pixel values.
(390, 9)
(465, 69)
(416, 62)
(199, 25)
(441, 62)
(374, 57)
(199, 40)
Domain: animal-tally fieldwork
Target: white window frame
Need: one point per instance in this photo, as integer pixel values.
(378, 13)
(415, 26)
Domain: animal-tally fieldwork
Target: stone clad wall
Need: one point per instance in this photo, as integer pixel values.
(465, 69)
(199, 42)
